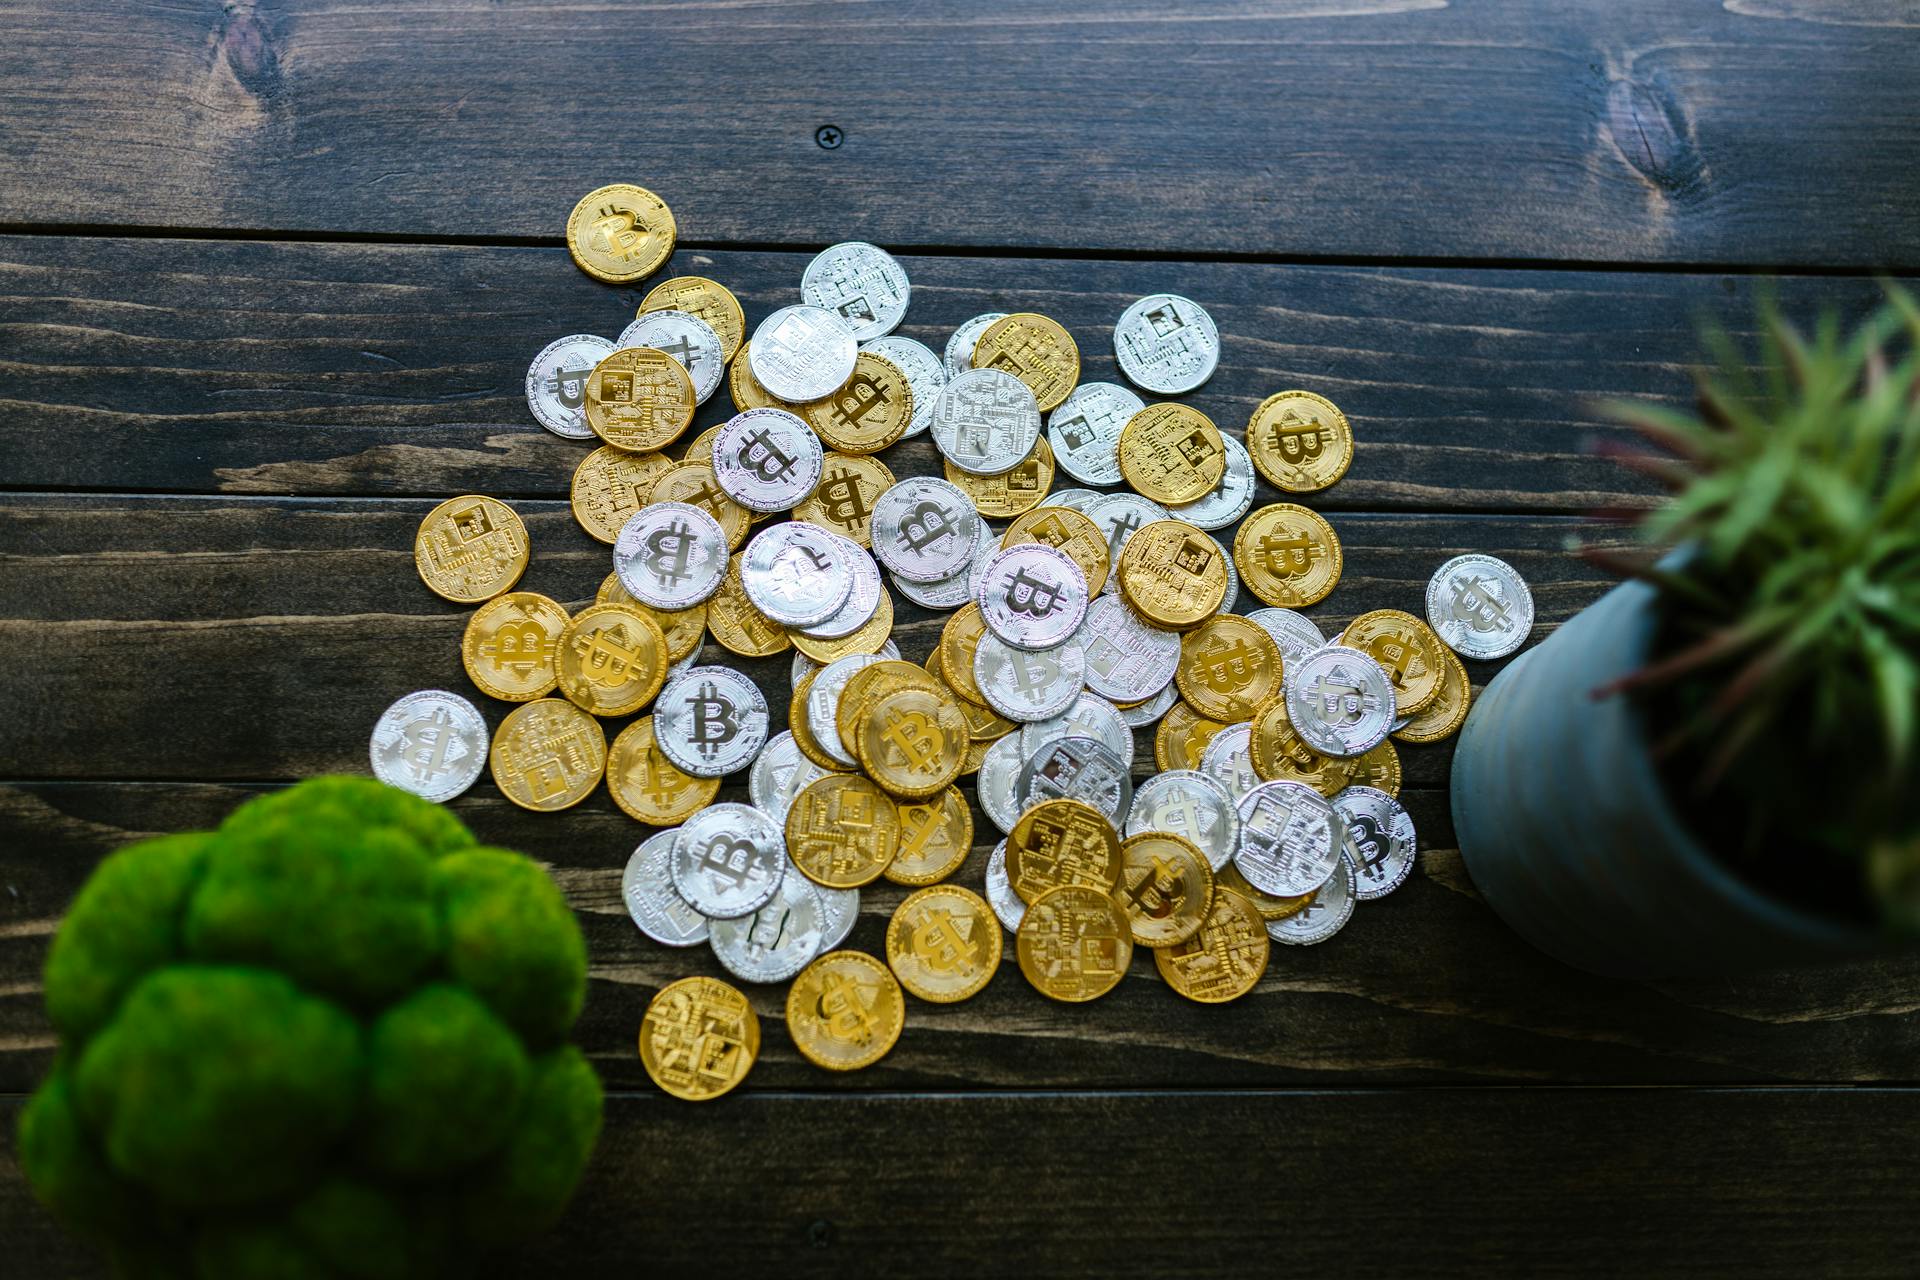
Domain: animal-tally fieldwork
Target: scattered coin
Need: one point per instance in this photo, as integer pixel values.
(1300, 441)
(1227, 759)
(1166, 888)
(869, 411)
(1294, 633)
(1287, 841)
(1174, 574)
(1085, 430)
(470, 549)
(1189, 804)
(738, 624)
(795, 574)
(842, 910)
(1287, 555)
(935, 835)
(699, 1038)
(842, 831)
(1407, 650)
(1028, 684)
(620, 233)
(779, 773)
(688, 339)
(845, 1011)
(767, 460)
(860, 284)
(1280, 754)
(1182, 736)
(1166, 344)
(1090, 716)
(777, 940)
(1325, 914)
(1074, 943)
(1172, 453)
(695, 484)
(1447, 712)
(1119, 516)
(509, 646)
(557, 383)
(611, 485)
(924, 529)
(959, 353)
(1062, 842)
(1126, 657)
(1033, 596)
(728, 860)
(1228, 667)
(709, 300)
(671, 555)
(711, 721)
(548, 755)
(1035, 349)
(998, 781)
(985, 421)
(639, 399)
(1228, 500)
(1012, 492)
(1081, 769)
(913, 742)
(611, 660)
(1480, 606)
(432, 743)
(655, 905)
(802, 353)
(647, 786)
(1339, 701)
(1000, 895)
(1376, 837)
(926, 375)
(1224, 959)
(943, 943)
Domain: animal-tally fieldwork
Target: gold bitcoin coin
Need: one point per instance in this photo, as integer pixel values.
(737, 623)
(683, 628)
(614, 591)
(1013, 492)
(639, 399)
(610, 487)
(1074, 943)
(1062, 842)
(1443, 716)
(1299, 441)
(935, 835)
(984, 724)
(842, 831)
(871, 410)
(1182, 735)
(471, 549)
(647, 786)
(510, 643)
(913, 742)
(1166, 887)
(871, 682)
(1224, 960)
(1287, 555)
(1035, 349)
(1378, 767)
(706, 299)
(870, 637)
(1173, 574)
(1279, 754)
(1172, 453)
(843, 501)
(1407, 650)
(845, 1011)
(1270, 906)
(959, 638)
(801, 727)
(745, 389)
(943, 943)
(700, 448)
(620, 233)
(612, 660)
(976, 756)
(699, 1038)
(547, 755)
(693, 483)
(1069, 531)
(1228, 667)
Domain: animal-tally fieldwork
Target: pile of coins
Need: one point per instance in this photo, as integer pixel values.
(1093, 613)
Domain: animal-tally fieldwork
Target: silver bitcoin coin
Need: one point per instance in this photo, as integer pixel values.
(1005, 902)
(1228, 759)
(688, 339)
(1189, 804)
(1480, 605)
(710, 721)
(767, 460)
(1078, 499)
(1128, 658)
(795, 573)
(998, 781)
(1119, 516)
(861, 602)
(432, 743)
(780, 773)
(778, 939)
(1028, 684)
(959, 351)
(985, 421)
(841, 908)
(1324, 916)
(1166, 344)
(1339, 700)
(1232, 596)
(1287, 842)
(860, 283)
(655, 905)
(802, 353)
(670, 555)
(1033, 596)
(1229, 499)
(823, 704)
(953, 591)
(1076, 768)
(1084, 430)
(1376, 836)
(1144, 715)
(803, 666)
(557, 383)
(926, 374)
(728, 861)
(1090, 716)
(924, 529)
(1294, 633)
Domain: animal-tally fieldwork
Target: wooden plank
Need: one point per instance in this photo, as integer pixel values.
(1758, 131)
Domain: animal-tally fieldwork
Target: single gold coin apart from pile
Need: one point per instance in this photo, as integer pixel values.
(1182, 735)
(1035, 349)
(612, 660)
(639, 399)
(1448, 711)
(845, 1011)
(510, 645)
(1225, 959)
(843, 501)
(912, 742)
(1074, 943)
(1166, 887)
(694, 484)
(1228, 667)
(611, 485)
(699, 1038)
(1068, 531)
(1271, 906)
(1281, 755)
(1299, 441)
(703, 299)
(1172, 453)
(935, 835)
(842, 831)
(1012, 492)
(943, 943)
(1062, 842)
(620, 233)
(647, 786)
(1407, 650)
(1287, 555)
(1378, 768)
(1173, 574)
(547, 755)
(471, 548)
(871, 410)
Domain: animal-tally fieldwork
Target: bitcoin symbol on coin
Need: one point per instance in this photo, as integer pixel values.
(607, 657)
(726, 858)
(1479, 608)
(427, 745)
(669, 552)
(925, 525)
(1160, 891)
(858, 400)
(569, 386)
(614, 232)
(1369, 841)
(1298, 440)
(1287, 555)
(840, 494)
(1035, 597)
(1340, 703)
(939, 945)
(917, 738)
(761, 454)
(715, 720)
(1229, 668)
(843, 1012)
(1122, 528)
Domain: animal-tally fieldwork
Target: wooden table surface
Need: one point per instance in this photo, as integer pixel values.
(270, 277)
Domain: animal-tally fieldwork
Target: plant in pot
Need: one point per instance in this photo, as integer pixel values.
(1710, 769)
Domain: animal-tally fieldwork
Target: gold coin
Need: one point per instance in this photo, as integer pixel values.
(1378, 767)
(620, 233)
(1280, 755)
(707, 299)
(871, 410)
(842, 831)
(700, 448)
(699, 1038)
(943, 943)
(547, 755)
(913, 742)
(1270, 906)
(801, 727)
(639, 399)
(1066, 530)
(1172, 453)
(612, 660)
(870, 683)
(1299, 441)
(611, 485)
(683, 628)
(984, 724)
(1014, 491)
(614, 591)
(1074, 943)
(1407, 650)
(1035, 349)
(843, 500)
(935, 835)
(1166, 887)
(508, 649)
(471, 549)
(737, 623)
(649, 787)
(693, 483)
(1225, 959)
(976, 756)
(1443, 716)
(869, 637)
(1287, 555)
(959, 639)
(1062, 842)
(1228, 667)
(845, 1011)
(745, 389)
(1174, 574)
(1182, 735)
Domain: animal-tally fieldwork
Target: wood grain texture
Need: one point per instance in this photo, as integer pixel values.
(1637, 130)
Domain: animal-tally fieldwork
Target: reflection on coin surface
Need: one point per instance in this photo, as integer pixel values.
(1127, 657)
(1182, 736)
(1174, 574)
(767, 459)
(711, 721)
(1480, 606)
(1166, 888)
(1074, 943)
(620, 233)
(1228, 667)
(655, 905)
(688, 339)
(1033, 596)
(794, 573)
(647, 786)
(802, 353)
(470, 549)
(639, 399)
(1062, 842)
(845, 1011)
(1090, 716)
(1077, 768)
(867, 412)
(1224, 960)
(843, 501)
(557, 383)
(548, 755)
(776, 941)
(1376, 837)
(985, 421)
(1006, 903)
(1166, 344)
(1294, 633)
(926, 374)
(1287, 555)
(1287, 843)
(699, 1038)
(935, 835)
(943, 943)
(1325, 914)
(671, 555)
(432, 743)
(1340, 701)
(509, 645)
(959, 351)
(1227, 759)
(1280, 754)
(1085, 430)
(611, 660)
(1229, 499)
(1034, 348)
(924, 529)
(862, 284)
(842, 831)
(1172, 452)
(727, 860)
(1189, 804)
(1300, 441)
(710, 300)
(1028, 685)
(1407, 650)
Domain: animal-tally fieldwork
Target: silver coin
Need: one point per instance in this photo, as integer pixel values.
(1145, 715)
(1075, 498)
(1287, 843)
(1189, 804)
(926, 374)
(862, 602)
(711, 721)
(1084, 430)
(985, 421)
(1128, 658)
(802, 353)
(728, 861)
(776, 941)
(862, 284)
(1166, 344)
(924, 529)
(1229, 499)
(1232, 596)
(1228, 760)
(998, 781)
(841, 908)
(1338, 700)
(1090, 716)
(795, 574)
(767, 460)
(959, 352)
(1480, 605)
(670, 555)
(688, 339)
(779, 773)
(1033, 596)
(655, 905)
(1324, 916)
(1082, 769)
(954, 591)
(803, 666)
(823, 704)
(1119, 516)
(1376, 835)
(687, 663)
(1000, 895)
(1294, 633)
(1028, 684)
(557, 383)
(432, 743)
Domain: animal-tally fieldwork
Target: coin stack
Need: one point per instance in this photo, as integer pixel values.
(1094, 612)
